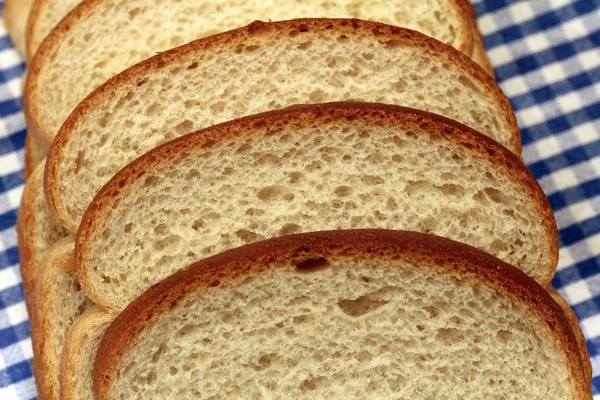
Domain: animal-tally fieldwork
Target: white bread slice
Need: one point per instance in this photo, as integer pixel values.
(35, 153)
(443, 19)
(37, 230)
(309, 168)
(104, 37)
(44, 16)
(574, 322)
(345, 314)
(14, 16)
(258, 68)
(79, 352)
(59, 300)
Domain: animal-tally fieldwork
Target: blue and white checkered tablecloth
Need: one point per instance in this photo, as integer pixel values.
(547, 59)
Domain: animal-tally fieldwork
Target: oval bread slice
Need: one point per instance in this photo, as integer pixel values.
(445, 20)
(345, 314)
(258, 68)
(309, 168)
(104, 37)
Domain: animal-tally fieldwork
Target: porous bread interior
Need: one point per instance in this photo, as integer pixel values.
(59, 301)
(49, 15)
(355, 328)
(79, 352)
(300, 178)
(40, 227)
(235, 81)
(146, 28)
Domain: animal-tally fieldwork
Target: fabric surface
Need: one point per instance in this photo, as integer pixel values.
(547, 59)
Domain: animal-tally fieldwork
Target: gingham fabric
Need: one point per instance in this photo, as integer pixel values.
(547, 59)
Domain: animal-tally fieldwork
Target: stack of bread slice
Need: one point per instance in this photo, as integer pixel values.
(310, 207)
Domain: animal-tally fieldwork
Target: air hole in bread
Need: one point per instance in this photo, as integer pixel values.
(193, 65)
(269, 193)
(312, 265)
(304, 46)
(289, 229)
(343, 191)
(496, 196)
(247, 236)
(152, 181)
(361, 306)
(184, 127)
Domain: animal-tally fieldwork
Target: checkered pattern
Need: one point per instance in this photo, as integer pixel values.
(547, 59)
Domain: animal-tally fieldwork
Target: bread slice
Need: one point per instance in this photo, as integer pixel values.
(104, 37)
(14, 16)
(79, 352)
(59, 300)
(574, 322)
(346, 314)
(254, 69)
(37, 230)
(45, 15)
(308, 168)
(444, 19)
(35, 153)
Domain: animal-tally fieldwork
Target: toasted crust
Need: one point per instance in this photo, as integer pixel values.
(32, 41)
(59, 255)
(14, 15)
(574, 322)
(35, 153)
(434, 252)
(29, 232)
(255, 32)
(89, 325)
(28, 252)
(459, 134)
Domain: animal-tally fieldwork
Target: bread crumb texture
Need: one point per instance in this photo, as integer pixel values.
(194, 88)
(344, 328)
(260, 181)
(161, 25)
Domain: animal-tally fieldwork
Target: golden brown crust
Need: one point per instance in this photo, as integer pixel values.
(433, 251)
(34, 15)
(35, 153)
(367, 113)
(89, 323)
(26, 221)
(14, 15)
(230, 40)
(574, 322)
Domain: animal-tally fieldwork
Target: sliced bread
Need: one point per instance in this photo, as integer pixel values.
(35, 153)
(309, 168)
(79, 352)
(257, 68)
(59, 300)
(14, 16)
(346, 314)
(104, 37)
(37, 230)
(44, 16)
